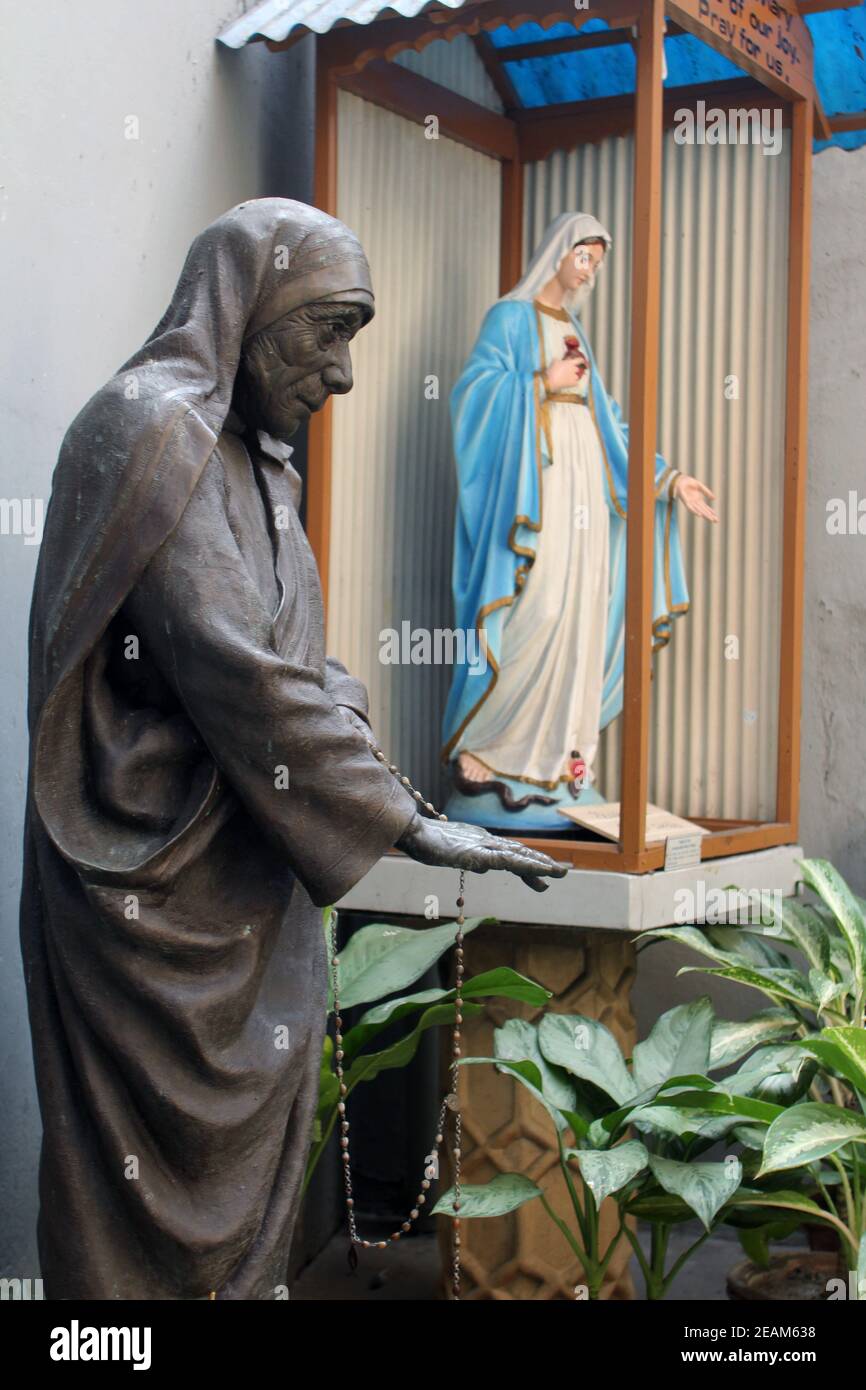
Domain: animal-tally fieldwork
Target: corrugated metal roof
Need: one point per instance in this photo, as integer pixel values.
(275, 19)
(839, 38)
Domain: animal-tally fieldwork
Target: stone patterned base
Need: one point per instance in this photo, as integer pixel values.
(524, 1255)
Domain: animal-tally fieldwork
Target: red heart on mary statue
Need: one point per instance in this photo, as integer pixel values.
(573, 350)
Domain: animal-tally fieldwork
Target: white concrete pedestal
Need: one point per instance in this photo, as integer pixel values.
(584, 898)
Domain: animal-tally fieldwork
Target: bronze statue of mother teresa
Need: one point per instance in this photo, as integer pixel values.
(200, 782)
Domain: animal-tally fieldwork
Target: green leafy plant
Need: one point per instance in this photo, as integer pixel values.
(575, 1069)
(830, 934)
(818, 1135)
(792, 1141)
(823, 1142)
(378, 963)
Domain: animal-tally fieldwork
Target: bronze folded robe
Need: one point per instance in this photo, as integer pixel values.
(196, 797)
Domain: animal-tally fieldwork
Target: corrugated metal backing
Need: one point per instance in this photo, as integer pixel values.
(714, 721)
(275, 19)
(427, 213)
(455, 64)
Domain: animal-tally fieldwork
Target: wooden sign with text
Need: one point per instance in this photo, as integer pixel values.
(766, 38)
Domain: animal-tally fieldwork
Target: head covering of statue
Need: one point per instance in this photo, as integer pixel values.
(131, 459)
(564, 234)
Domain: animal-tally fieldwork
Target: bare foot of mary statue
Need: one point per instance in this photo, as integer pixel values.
(200, 782)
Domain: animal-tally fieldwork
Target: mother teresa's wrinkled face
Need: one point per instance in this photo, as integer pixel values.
(577, 269)
(289, 369)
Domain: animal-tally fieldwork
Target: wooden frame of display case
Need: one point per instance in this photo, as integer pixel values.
(356, 59)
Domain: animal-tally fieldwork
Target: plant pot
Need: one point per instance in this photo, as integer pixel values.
(821, 1236)
(799, 1277)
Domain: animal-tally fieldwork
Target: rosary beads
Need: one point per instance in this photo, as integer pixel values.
(451, 1101)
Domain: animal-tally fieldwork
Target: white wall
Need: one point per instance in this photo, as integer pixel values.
(93, 231)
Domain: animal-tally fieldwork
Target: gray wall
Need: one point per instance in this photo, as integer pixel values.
(93, 231)
(834, 688)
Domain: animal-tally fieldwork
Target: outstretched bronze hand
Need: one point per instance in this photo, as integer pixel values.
(454, 844)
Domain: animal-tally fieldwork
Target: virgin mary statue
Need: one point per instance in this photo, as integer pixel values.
(540, 543)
